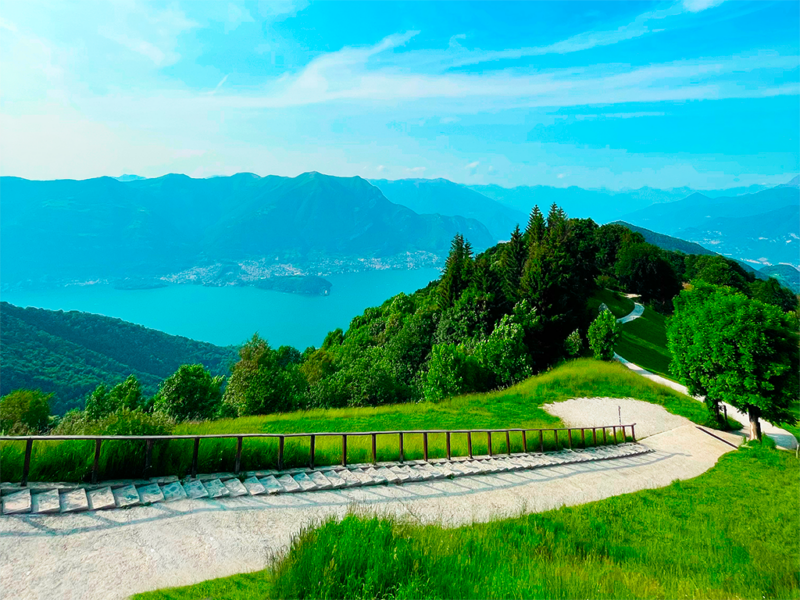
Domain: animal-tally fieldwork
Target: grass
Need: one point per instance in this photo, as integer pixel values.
(618, 304)
(730, 533)
(644, 342)
(517, 406)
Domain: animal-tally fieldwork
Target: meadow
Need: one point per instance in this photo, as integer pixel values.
(517, 406)
(729, 533)
(643, 341)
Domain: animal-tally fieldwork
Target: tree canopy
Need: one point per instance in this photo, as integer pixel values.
(734, 349)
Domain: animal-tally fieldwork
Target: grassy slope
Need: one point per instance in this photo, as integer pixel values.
(518, 406)
(618, 304)
(730, 533)
(644, 342)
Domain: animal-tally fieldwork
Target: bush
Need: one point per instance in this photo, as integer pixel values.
(24, 412)
(504, 353)
(451, 371)
(191, 393)
(573, 344)
(603, 334)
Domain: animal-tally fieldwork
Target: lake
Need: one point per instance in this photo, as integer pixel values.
(231, 315)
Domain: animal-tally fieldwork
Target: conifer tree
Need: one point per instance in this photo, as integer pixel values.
(535, 232)
(457, 272)
(512, 265)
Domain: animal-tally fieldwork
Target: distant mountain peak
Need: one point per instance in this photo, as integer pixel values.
(124, 178)
(793, 183)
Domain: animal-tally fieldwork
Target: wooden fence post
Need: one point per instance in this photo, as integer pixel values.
(541, 441)
(344, 450)
(195, 454)
(583, 438)
(148, 456)
(425, 445)
(374, 449)
(555, 435)
(26, 466)
(569, 435)
(508, 442)
(633, 432)
(605, 440)
(469, 443)
(402, 448)
(238, 464)
(96, 464)
(524, 441)
(281, 442)
(311, 451)
(489, 441)
(594, 435)
(448, 446)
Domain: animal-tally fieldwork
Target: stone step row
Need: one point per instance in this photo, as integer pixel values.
(169, 489)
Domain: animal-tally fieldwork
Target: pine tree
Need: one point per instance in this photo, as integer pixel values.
(535, 232)
(457, 272)
(512, 265)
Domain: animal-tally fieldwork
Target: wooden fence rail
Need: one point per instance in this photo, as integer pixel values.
(151, 439)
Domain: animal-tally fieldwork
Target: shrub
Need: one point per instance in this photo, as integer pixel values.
(23, 412)
(573, 344)
(191, 393)
(603, 334)
(504, 353)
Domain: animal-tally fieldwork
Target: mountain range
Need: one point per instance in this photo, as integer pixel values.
(244, 228)
(105, 228)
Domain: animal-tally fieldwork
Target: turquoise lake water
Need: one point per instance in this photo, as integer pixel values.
(230, 315)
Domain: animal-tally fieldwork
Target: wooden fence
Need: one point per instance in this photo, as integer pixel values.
(240, 437)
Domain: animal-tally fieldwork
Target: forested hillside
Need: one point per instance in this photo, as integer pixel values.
(71, 353)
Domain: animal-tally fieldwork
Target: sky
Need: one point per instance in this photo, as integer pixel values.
(698, 93)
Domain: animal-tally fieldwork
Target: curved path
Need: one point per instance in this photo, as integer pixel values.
(111, 554)
(783, 439)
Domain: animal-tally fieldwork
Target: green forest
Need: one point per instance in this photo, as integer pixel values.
(491, 320)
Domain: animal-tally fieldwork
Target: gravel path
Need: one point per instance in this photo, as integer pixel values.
(115, 553)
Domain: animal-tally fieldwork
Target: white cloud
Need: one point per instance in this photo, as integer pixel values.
(146, 30)
(416, 170)
(698, 5)
(472, 167)
(380, 168)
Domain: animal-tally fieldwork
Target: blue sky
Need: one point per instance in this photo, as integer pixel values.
(700, 93)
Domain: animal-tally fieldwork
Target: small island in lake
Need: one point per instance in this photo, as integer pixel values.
(309, 285)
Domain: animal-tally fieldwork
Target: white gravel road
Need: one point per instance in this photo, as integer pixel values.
(113, 554)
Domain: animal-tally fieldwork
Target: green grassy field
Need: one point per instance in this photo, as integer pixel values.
(644, 342)
(730, 533)
(618, 304)
(518, 406)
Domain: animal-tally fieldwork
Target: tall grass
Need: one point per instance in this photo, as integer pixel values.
(517, 406)
(730, 533)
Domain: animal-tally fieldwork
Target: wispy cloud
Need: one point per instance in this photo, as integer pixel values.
(348, 75)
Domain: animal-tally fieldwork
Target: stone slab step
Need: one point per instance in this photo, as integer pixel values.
(336, 481)
(195, 489)
(101, 499)
(304, 482)
(173, 491)
(46, 502)
(288, 484)
(215, 488)
(254, 486)
(74, 501)
(148, 494)
(125, 496)
(320, 481)
(388, 475)
(271, 484)
(235, 487)
(349, 478)
(18, 503)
